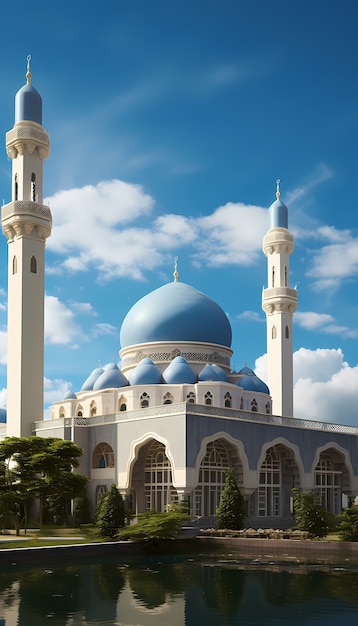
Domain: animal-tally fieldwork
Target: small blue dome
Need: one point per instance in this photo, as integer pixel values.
(70, 395)
(2, 416)
(90, 381)
(250, 382)
(278, 213)
(212, 372)
(28, 105)
(111, 378)
(146, 373)
(175, 312)
(179, 372)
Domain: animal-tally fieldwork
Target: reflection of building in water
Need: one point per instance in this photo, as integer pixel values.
(169, 422)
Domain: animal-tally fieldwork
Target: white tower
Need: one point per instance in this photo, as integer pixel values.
(279, 302)
(26, 222)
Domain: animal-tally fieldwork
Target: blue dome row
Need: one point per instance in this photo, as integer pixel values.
(178, 372)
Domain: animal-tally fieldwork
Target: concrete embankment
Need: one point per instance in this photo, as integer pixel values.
(285, 550)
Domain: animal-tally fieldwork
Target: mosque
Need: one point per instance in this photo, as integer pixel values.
(166, 424)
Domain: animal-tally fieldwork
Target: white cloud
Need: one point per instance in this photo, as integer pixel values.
(335, 262)
(3, 398)
(54, 391)
(60, 324)
(324, 323)
(253, 316)
(233, 233)
(325, 386)
(104, 329)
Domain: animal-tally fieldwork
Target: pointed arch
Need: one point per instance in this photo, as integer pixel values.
(79, 410)
(14, 264)
(33, 187)
(122, 403)
(168, 398)
(33, 265)
(103, 456)
(93, 409)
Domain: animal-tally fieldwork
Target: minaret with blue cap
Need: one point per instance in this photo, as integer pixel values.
(279, 301)
(26, 222)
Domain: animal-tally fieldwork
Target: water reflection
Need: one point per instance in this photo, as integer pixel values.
(176, 591)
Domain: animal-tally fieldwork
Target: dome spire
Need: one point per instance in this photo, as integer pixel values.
(278, 193)
(28, 73)
(176, 273)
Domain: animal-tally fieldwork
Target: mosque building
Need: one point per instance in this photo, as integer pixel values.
(167, 424)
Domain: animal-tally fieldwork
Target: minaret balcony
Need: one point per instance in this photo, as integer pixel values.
(27, 135)
(283, 299)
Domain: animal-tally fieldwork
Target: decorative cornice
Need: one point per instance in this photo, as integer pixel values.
(19, 218)
(30, 136)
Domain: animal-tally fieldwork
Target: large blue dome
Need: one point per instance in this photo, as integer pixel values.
(175, 312)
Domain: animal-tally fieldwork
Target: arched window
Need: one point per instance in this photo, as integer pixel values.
(16, 189)
(33, 265)
(208, 398)
(190, 397)
(274, 332)
(158, 486)
(285, 276)
(33, 187)
(241, 403)
(79, 411)
(168, 398)
(62, 412)
(273, 277)
(270, 485)
(329, 473)
(93, 408)
(287, 332)
(254, 405)
(122, 404)
(227, 400)
(267, 408)
(14, 264)
(144, 400)
(103, 456)
(211, 478)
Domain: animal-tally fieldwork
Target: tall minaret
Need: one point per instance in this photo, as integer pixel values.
(279, 302)
(26, 222)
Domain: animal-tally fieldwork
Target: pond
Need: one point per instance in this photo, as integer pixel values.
(177, 591)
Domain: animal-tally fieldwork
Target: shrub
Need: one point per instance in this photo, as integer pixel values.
(348, 528)
(310, 515)
(154, 526)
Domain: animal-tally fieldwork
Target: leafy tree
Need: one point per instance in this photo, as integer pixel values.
(230, 512)
(310, 515)
(40, 468)
(154, 527)
(348, 528)
(110, 513)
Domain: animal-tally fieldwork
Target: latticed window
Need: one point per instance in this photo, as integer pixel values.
(328, 483)
(144, 400)
(208, 398)
(103, 456)
(93, 408)
(270, 485)
(211, 478)
(168, 398)
(158, 487)
(227, 400)
(190, 397)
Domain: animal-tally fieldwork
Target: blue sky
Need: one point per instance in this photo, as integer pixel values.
(169, 125)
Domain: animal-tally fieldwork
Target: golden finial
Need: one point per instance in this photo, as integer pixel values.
(176, 273)
(28, 73)
(278, 193)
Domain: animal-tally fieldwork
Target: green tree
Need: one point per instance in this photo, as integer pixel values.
(230, 512)
(348, 528)
(110, 513)
(310, 515)
(40, 468)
